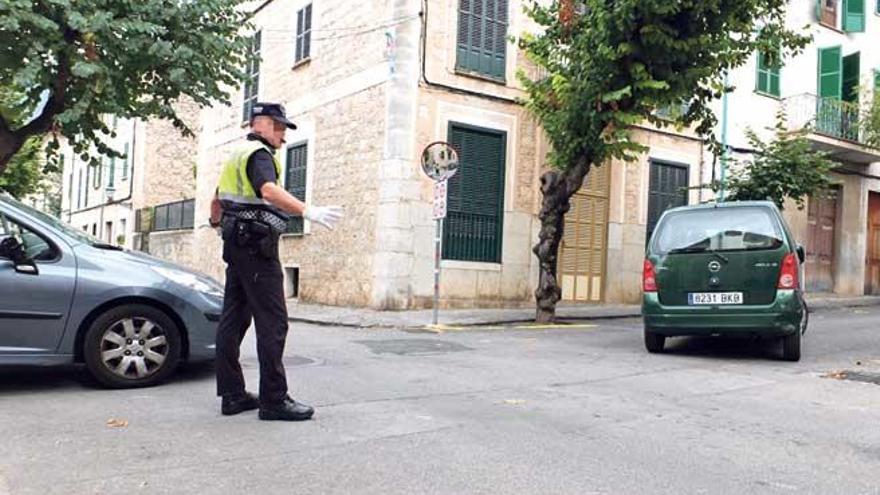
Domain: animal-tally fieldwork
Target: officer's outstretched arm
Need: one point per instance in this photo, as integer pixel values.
(326, 216)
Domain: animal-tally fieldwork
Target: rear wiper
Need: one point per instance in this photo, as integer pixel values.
(689, 249)
(699, 249)
(102, 245)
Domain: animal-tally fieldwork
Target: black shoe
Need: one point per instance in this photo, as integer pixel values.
(239, 404)
(288, 410)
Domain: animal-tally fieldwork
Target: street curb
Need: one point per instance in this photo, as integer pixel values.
(815, 306)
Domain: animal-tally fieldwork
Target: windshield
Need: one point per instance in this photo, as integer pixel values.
(53, 222)
(718, 229)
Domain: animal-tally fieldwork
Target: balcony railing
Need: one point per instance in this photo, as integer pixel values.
(826, 116)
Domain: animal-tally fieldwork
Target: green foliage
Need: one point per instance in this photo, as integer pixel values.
(871, 121)
(615, 63)
(786, 167)
(25, 171)
(89, 58)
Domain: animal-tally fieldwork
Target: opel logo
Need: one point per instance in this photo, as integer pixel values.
(714, 266)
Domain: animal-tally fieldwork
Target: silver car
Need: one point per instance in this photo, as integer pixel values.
(66, 297)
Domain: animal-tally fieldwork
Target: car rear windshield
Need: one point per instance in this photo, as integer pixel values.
(718, 229)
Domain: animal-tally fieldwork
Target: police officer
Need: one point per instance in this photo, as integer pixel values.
(251, 208)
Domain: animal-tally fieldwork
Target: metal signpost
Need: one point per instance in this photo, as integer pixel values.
(439, 162)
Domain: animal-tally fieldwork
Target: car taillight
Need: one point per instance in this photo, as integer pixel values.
(649, 277)
(788, 273)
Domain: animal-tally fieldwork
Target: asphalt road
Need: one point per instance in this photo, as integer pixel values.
(576, 409)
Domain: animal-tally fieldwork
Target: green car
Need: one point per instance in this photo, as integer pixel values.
(727, 269)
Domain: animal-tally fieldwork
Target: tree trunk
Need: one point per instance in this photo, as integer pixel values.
(10, 143)
(556, 188)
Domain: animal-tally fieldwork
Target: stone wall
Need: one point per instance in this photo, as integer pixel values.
(338, 101)
(628, 206)
(175, 246)
(169, 159)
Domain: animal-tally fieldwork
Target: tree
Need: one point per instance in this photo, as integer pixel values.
(608, 65)
(785, 167)
(76, 61)
(25, 171)
(871, 120)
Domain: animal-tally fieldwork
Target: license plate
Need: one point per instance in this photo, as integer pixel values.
(700, 298)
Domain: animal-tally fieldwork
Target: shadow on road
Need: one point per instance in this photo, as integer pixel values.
(724, 347)
(15, 379)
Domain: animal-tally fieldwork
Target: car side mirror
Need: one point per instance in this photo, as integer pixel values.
(13, 249)
(802, 255)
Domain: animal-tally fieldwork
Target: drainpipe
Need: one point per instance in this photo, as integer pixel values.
(724, 109)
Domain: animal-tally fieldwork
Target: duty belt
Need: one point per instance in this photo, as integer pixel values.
(276, 221)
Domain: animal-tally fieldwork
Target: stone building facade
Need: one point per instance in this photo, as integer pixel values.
(158, 169)
(381, 80)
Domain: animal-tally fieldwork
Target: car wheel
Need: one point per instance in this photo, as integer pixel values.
(132, 346)
(654, 341)
(791, 347)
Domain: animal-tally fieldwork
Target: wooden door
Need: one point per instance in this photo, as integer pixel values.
(583, 250)
(821, 219)
(872, 256)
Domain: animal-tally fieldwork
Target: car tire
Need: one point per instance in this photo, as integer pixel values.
(130, 346)
(654, 342)
(791, 346)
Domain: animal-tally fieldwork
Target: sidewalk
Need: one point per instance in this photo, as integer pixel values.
(370, 318)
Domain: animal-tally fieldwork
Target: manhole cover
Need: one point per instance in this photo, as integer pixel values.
(293, 360)
(409, 347)
(856, 376)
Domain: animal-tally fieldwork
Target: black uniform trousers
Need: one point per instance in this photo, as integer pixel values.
(254, 289)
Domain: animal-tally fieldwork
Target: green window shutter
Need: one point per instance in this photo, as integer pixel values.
(125, 163)
(854, 16)
(830, 72)
(850, 77)
(768, 77)
(295, 181)
(482, 37)
(473, 227)
(111, 177)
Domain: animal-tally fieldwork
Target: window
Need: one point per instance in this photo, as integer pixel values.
(111, 177)
(667, 188)
(86, 188)
(252, 84)
(96, 175)
(854, 16)
(35, 247)
(125, 163)
(303, 33)
(827, 13)
(79, 191)
(723, 229)
(768, 76)
(482, 37)
(295, 181)
(472, 230)
(179, 215)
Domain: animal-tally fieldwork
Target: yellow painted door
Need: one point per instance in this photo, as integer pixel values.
(584, 245)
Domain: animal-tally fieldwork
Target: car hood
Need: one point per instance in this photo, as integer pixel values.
(132, 259)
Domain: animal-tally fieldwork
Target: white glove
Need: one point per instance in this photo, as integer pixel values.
(326, 216)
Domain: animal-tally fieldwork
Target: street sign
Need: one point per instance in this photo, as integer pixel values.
(439, 161)
(440, 191)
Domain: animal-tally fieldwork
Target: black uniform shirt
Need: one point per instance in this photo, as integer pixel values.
(260, 166)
